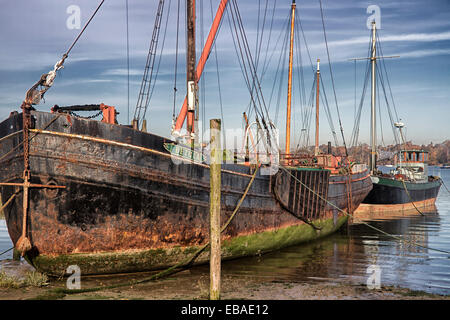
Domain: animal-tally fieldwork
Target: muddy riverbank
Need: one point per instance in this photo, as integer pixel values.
(188, 285)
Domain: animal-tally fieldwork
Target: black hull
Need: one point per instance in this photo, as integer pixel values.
(128, 207)
(388, 191)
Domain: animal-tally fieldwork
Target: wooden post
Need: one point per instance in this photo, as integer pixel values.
(214, 213)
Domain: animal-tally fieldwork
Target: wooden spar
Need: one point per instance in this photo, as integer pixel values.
(214, 211)
(316, 149)
(289, 97)
(203, 58)
(190, 65)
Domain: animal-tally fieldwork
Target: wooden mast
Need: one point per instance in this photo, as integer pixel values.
(316, 149)
(289, 97)
(190, 66)
(373, 65)
(201, 64)
(373, 131)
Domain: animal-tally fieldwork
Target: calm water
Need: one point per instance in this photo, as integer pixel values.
(345, 256)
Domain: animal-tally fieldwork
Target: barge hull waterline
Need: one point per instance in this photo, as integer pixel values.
(159, 259)
(377, 208)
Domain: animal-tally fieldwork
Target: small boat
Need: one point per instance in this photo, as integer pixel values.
(408, 186)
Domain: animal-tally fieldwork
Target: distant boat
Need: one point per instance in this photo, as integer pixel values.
(408, 186)
(445, 167)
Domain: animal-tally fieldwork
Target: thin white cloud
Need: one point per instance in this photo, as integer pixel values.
(123, 72)
(413, 37)
(424, 53)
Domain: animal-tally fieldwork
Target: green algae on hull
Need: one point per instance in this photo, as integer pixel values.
(158, 259)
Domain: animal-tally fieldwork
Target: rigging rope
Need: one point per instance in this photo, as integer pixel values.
(6, 251)
(445, 186)
(357, 121)
(84, 28)
(410, 199)
(218, 78)
(149, 97)
(33, 95)
(128, 65)
(176, 67)
(144, 92)
(332, 78)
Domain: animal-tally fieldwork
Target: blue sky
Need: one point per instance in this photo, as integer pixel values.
(34, 35)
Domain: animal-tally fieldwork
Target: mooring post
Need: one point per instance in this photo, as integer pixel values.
(214, 213)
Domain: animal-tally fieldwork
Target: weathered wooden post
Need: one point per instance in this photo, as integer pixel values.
(214, 213)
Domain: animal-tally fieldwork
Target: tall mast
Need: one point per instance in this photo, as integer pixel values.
(190, 66)
(373, 132)
(201, 64)
(289, 97)
(316, 149)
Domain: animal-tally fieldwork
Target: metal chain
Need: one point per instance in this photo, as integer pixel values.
(89, 117)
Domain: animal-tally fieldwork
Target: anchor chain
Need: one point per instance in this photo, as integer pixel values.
(23, 244)
(86, 117)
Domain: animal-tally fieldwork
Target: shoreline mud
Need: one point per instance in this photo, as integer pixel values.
(189, 285)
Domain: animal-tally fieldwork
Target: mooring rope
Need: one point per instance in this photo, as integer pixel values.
(8, 202)
(365, 223)
(410, 198)
(174, 269)
(6, 251)
(443, 183)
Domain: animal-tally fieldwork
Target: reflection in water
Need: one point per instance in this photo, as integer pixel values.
(5, 241)
(346, 255)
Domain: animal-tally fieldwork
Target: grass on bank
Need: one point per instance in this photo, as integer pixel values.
(32, 279)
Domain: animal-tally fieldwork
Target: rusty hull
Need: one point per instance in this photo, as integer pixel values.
(124, 194)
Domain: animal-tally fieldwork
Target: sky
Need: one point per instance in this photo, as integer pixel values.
(35, 34)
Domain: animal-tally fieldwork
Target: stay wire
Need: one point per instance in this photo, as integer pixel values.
(176, 63)
(84, 28)
(149, 96)
(128, 66)
(218, 80)
(240, 55)
(332, 78)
